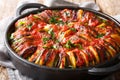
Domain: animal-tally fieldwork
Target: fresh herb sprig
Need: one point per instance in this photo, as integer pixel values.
(69, 44)
(51, 32)
(45, 40)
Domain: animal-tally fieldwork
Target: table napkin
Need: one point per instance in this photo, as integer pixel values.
(13, 73)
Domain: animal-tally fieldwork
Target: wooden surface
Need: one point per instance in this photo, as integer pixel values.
(3, 74)
(111, 7)
(8, 7)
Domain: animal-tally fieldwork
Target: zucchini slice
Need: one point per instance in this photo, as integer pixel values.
(35, 56)
(112, 43)
(62, 62)
(85, 56)
(50, 58)
(116, 37)
(86, 37)
(111, 50)
(39, 56)
(42, 58)
(92, 49)
(72, 58)
(79, 14)
(91, 58)
(101, 52)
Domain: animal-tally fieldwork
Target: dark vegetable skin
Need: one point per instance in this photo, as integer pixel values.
(28, 51)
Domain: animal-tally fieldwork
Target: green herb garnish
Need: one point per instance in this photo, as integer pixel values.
(60, 22)
(104, 21)
(100, 35)
(51, 32)
(69, 44)
(29, 26)
(80, 46)
(53, 20)
(45, 47)
(73, 29)
(45, 40)
(57, 41)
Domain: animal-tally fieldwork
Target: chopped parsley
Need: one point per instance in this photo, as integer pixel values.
(73, 29)
(45, 47)
(57, 41)
(53, 20)
(104, 21)
(29, 26)
(100, 35)
(45, 40)
(51, 32)
(69, 44)
(80, 46)
(60, 22)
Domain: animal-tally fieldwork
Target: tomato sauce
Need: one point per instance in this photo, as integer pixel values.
(65, 38)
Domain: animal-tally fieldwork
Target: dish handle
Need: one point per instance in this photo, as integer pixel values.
(26, 6)
(105, 70)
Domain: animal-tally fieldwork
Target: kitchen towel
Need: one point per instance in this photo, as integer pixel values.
(13, 73)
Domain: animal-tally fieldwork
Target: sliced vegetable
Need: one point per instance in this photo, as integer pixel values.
(40, 53)
(65, 38)
(80, 14)
(72, 59)
(95, 54)
(28, 51)
(47, 27)
(102, 25)
(113, 43)
(116, 37)
(85, 56)
(62, 62)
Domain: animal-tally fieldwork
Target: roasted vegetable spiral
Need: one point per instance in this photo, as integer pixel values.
(66, 38)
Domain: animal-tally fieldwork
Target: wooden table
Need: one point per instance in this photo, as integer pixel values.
(8, 7)
(111, 7)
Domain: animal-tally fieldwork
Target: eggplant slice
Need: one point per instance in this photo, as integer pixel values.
(28, 51)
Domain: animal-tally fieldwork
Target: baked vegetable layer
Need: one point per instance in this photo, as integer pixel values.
(66, 38)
